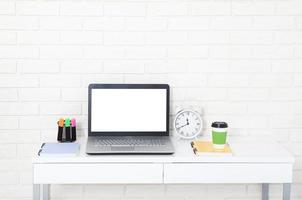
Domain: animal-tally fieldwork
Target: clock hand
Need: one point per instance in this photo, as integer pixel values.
(184, 125)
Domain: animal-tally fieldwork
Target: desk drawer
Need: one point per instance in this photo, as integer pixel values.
(97, 173)
(227, 173)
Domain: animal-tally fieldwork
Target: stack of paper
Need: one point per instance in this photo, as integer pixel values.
(59, 149)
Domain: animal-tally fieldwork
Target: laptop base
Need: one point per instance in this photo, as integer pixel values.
(98, 145)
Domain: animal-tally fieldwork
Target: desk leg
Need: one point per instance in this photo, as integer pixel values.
(286, 191)
(265, 191)
(41, 192)
(46, 192)
(36, 192)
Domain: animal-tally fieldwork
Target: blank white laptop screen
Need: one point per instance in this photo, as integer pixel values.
(128, 110)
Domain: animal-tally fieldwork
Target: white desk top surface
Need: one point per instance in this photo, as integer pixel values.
(245, 150)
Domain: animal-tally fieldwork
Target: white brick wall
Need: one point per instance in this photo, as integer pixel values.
(237, 60)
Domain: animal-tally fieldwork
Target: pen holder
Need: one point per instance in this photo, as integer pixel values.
(67, 130)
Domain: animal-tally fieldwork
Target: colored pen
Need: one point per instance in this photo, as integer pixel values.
(60, 130)
(73, 130)
(67, 129)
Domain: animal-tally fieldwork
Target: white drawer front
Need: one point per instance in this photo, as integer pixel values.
(97, 173)
(227, 173)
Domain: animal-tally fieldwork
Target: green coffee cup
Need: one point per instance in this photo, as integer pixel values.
(219, 134)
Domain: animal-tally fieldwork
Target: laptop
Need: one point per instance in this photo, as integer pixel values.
(128, 119)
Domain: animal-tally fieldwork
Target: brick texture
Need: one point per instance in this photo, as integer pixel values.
(236, 60)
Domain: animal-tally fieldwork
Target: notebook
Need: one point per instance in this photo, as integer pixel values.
(206, 148)
(59, 149)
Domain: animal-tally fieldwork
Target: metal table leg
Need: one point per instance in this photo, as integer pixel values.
(36, 191)
(46, 192)
(265, 191)
(41, 192)
(286, 191)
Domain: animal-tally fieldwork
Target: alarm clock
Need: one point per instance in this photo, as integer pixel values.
(188, 124)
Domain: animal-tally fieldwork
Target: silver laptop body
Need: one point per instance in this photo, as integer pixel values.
(128, 119)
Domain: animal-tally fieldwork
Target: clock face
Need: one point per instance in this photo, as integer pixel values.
(188, 124)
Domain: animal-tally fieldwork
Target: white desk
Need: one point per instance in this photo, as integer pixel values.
(252, 162)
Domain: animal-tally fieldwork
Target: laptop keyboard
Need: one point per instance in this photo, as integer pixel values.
(129, 142)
